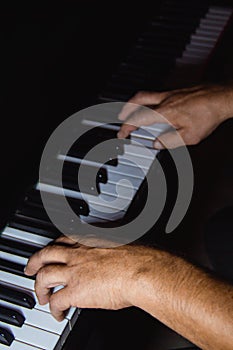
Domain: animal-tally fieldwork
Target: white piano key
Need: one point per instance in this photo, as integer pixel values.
(24, 236)
(202, 32)
(217, 16)
(219, 21)
(210, 23)
(143, 163)
(21, 287)
(127, 170)
(17, 345)
(124, 192)
(119, 169)
(38, 319)
(140, 151)
(220, 10)
(33, 336)
(103, 124)
(14, 258)
(187, 54)
(209, 39)
(99, 218)
(102, 200)
(102, 216)
(144, 134)
(197, 48)
(210, 28)
(160, 127)
(16, 280)
(114, 178)
(145, 143)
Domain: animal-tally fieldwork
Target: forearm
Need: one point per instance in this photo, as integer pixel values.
(187, 300)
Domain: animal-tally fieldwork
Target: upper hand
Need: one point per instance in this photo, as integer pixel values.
(194, 112)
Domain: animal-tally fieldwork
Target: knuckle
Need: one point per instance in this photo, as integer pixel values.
(139, 95)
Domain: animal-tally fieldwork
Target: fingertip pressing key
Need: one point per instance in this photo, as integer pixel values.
(158, 145)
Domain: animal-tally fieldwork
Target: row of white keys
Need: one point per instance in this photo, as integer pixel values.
(205, 38)
(119, 169)
(18, 345)
(37, 318)
(33, 336)
(101, 201)
(25, 236)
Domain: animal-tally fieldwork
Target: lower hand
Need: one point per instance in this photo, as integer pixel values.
(92, 277)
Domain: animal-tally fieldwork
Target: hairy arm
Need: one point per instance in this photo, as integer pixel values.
(188, 300)
(182, 296)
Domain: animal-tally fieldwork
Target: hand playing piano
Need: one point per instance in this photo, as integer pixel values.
(194, 112)
(156, 281)
(92, 277)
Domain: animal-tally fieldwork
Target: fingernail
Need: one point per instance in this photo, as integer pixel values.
(158, 145)
(25, 269)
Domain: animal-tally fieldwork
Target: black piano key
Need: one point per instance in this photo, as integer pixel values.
(36, 209)
(12, 267)
(34, 226)
(91, 177)
(71, 169)
(17, 248)
(16, 297)
(6, 337)
(96, 136)
(33, 199)
(169, 49)
(11, 316)
(34, 213)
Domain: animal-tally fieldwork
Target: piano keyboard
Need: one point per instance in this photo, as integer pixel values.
(183, 35)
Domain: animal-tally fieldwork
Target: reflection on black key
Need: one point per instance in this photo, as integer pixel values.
(6, 337)
(37, 227)
(71, 169)
(53, 201)
(11, 316)
(16, 297)
(17, 248)
(77, 177)
(12, 267)
(94, 137)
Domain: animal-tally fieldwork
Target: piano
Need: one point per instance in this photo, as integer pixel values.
(173, 49)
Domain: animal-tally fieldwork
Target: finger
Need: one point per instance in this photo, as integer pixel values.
(65, 240)
(59, 303)
(141, 98)
(143, 117)
(48, 255)
(171, 139)
(49, 277)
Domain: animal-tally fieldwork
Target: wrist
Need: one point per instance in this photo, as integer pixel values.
(149, 278)
(226, 101)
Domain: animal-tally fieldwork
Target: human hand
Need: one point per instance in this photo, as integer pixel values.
(194, 112)
(92, 277)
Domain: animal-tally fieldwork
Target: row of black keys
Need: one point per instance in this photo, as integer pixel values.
(10, 316)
